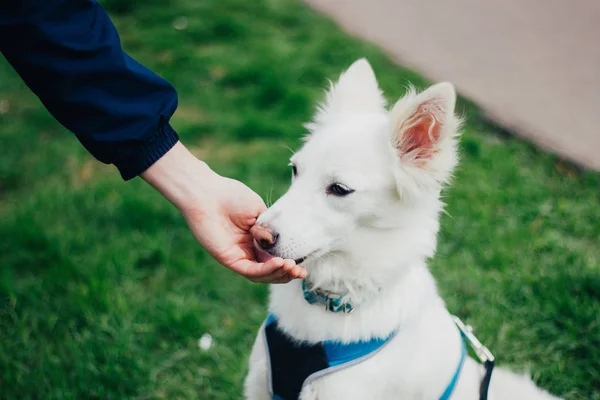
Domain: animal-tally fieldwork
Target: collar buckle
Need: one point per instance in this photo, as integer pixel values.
(334, 304)
(331, 302)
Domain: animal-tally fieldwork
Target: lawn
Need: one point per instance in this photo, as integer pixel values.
(104, 292)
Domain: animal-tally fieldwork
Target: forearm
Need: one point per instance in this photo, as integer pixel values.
(69, 53)
(181, 178)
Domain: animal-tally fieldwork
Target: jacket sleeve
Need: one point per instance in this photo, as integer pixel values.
(69, 54)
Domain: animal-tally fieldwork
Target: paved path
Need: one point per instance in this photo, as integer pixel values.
(532, 65)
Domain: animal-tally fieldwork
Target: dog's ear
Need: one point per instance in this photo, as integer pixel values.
(355, 91)
(424, 130)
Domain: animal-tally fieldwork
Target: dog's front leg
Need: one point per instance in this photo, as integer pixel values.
(256, 385)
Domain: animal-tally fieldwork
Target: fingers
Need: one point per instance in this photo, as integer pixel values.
(298, 272)
(276, 270)
(279, 273)
(286, 268)
(284, 279)
(288, 272)
(295, 272)
(254, 270)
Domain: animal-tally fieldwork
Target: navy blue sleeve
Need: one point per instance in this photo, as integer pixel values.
(69, 54)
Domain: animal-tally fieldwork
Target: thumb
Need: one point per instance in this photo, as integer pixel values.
(255, 206)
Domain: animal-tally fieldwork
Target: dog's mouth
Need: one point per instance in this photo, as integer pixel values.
(300, 260)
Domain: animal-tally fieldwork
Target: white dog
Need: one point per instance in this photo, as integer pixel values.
(362, 215)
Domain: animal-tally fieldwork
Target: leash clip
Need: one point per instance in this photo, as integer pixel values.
(466, 331)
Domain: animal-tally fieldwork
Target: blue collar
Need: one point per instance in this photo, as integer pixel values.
(333, 303)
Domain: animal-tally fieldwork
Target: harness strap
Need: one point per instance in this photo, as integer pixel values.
(293, 364)
(463, 354)
(485, 382)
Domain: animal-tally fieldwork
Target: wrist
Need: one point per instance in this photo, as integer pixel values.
(182, 178)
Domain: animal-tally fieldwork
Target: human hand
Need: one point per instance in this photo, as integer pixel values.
(220, 212)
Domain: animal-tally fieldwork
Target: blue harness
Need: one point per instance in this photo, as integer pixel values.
(293, 365)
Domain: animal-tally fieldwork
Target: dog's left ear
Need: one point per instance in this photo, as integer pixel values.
(424, 130)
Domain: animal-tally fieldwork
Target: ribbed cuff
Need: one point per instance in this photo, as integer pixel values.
(155, 148)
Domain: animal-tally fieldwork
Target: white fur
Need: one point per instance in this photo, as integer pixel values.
(373, 245)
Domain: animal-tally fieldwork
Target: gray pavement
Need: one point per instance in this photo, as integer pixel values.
(532, 65)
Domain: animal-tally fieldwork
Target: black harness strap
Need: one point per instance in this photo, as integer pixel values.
(485, 382)
(291, 362)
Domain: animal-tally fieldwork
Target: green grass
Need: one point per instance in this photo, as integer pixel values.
(104, 292)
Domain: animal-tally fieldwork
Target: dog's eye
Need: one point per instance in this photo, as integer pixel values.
(337, 189)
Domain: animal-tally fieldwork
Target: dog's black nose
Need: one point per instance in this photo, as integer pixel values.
(265, 236)
(267, 244)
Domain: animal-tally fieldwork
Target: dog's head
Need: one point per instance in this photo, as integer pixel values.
(367, 179)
